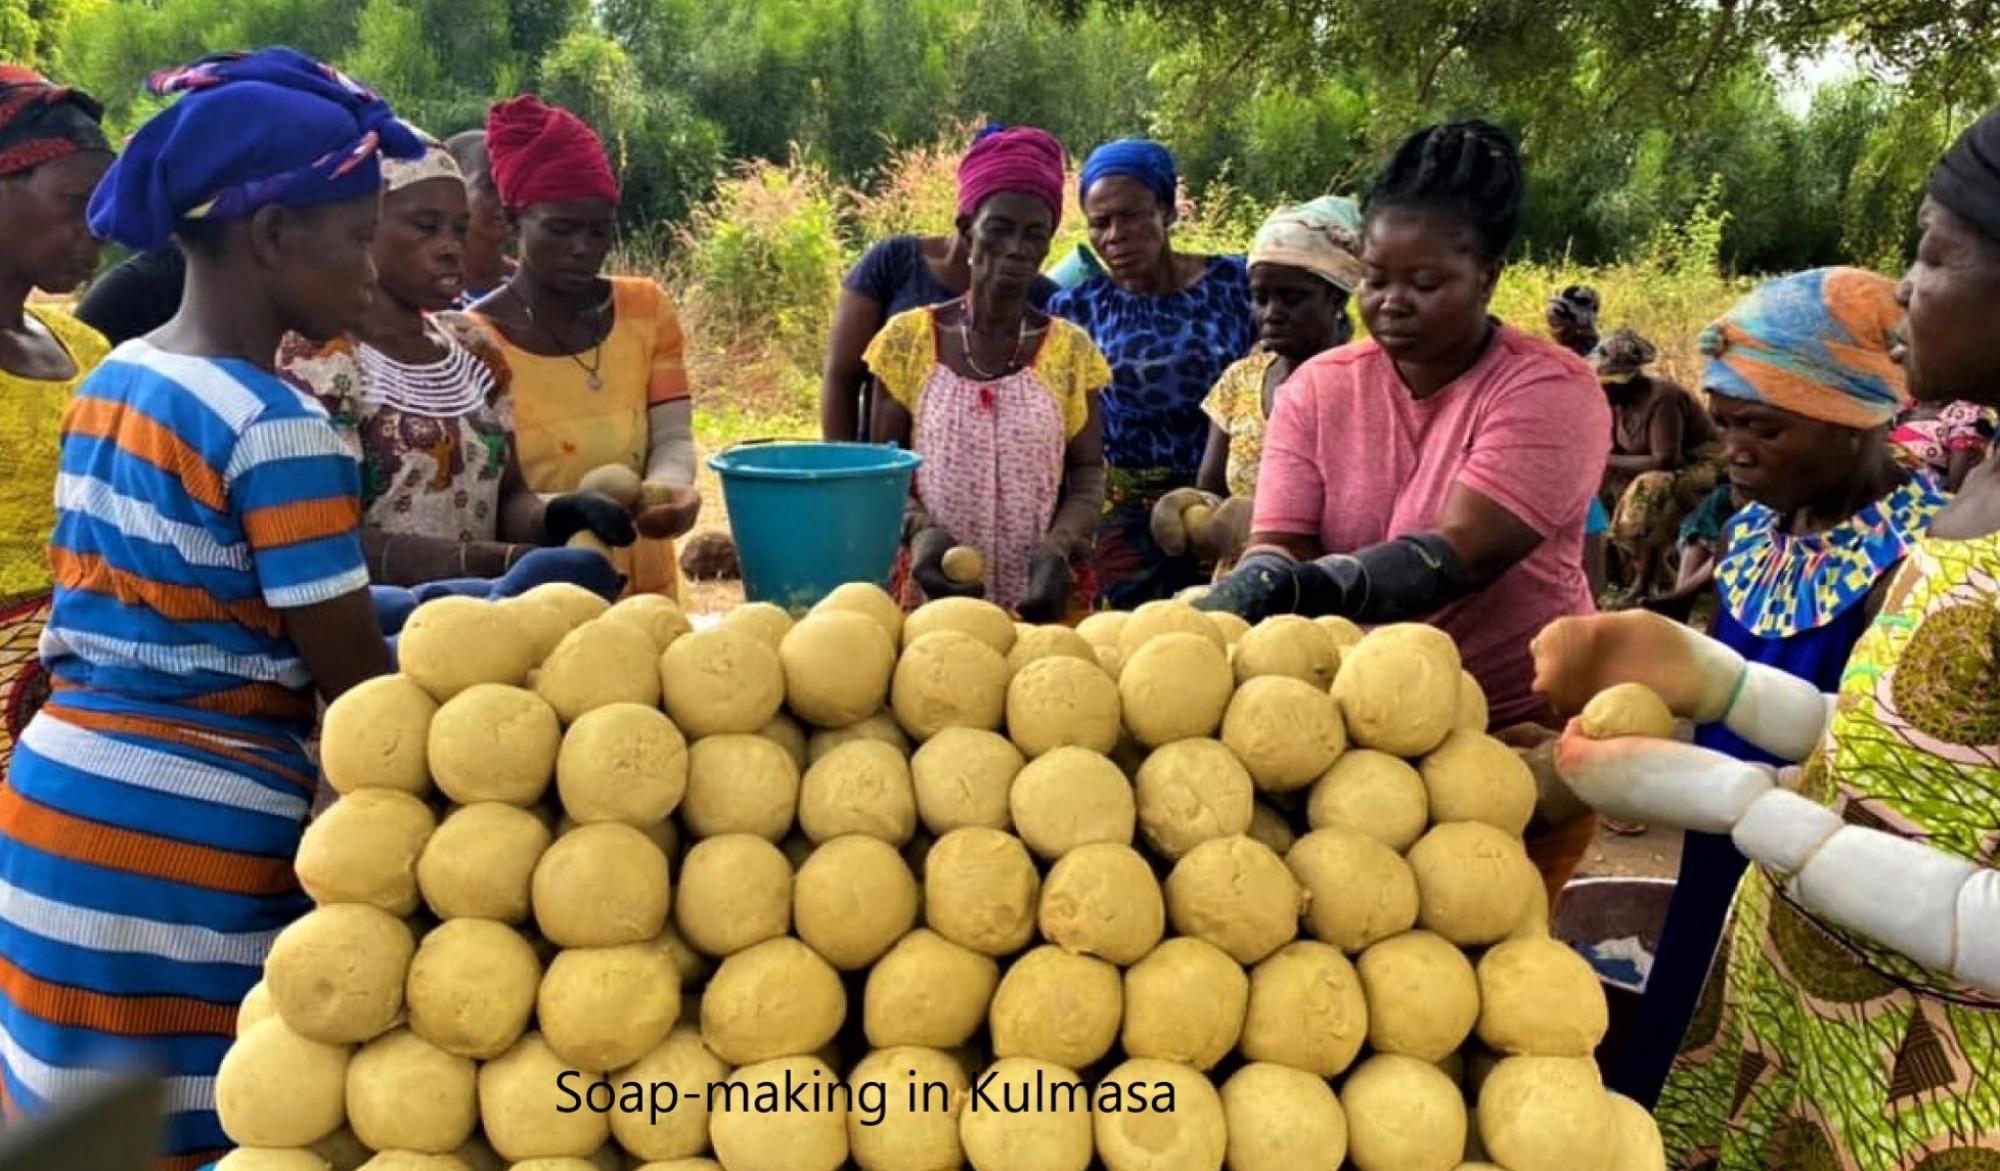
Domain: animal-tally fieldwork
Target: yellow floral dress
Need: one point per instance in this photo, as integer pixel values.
(1817, 1050)
(31, 413)
(1236, 405)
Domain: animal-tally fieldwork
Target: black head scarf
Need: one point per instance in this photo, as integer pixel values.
(1967, 179)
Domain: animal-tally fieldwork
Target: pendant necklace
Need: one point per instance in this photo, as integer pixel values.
(965, 344)
(591, 368)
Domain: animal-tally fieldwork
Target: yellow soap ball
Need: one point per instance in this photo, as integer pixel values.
(577, 604)
(495, 743)
(981, 890)
(1046, 642)
(1372, 793)
(1473, 715)
(962, 777)
(596, 665)
(657, 616)
(880, 727)
(1236, 894)
(1547, 1114)
(762, 619)
(336, 974)
(364, 848)
(777, 999)
(479, 863)
(257, 1006)
(403, 1093)
(603, 1007)
(1069, 798)
(1358, 891)
(721, 681)
(949, 679)
(1627, 709)
(1104, 628)
(1473, 777)
(1186, 1002)
(1398, 689)
(919, 1096)
(853, 899)
(1102, 900)
(1403, 1115)
(740, 785)
(542, 621)
(1286, 732)
(1175, 687)
(1282, 1119)
(762, 1124)
(451, 643)
(1423, 998)
(1136, 1129)
(1539, 998)
(1306, 1010)
(859, 788)
(1189, 792)
(1057, 1007)
(927, 991)
(600, 886)
(1154, 619)
(1271, 829)
(870, 599)
(277, 1088)
(1062, 702)
(1233, 627)
(472, 987)
(1027, 1115)
(682, 1132)
(964, 565)
(1289, 646)
(1635, 1142)
(622, 762)
(375, 736)
(525, 1112)
(617, 481)
(1475, 885)
(976, 617)
(1344, 632)
(837, 668)
(788, 734)
(735, 891)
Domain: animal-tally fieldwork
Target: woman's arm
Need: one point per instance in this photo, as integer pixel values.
(339, 641)
(1642, 462)
(403, 559)
(521, 508)
(1073, 531)
(1962, 461)
(856, 319)
(1214, 474)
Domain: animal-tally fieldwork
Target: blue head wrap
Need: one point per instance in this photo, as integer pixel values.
(1814, 343)
(1135, 158)
(253, 130)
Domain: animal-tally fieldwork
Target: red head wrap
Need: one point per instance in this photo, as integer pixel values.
(545, 154)
(1020, 159)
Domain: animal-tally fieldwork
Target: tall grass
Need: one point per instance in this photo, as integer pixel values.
(758, 268)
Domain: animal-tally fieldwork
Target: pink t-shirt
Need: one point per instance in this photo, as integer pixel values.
(1351, 458)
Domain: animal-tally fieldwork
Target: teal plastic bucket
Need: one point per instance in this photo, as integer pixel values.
(809, 517)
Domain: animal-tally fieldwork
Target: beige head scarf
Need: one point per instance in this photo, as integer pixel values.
(435, 163)
(1322, 237)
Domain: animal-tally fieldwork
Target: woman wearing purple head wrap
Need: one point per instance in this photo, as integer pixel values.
(210, 592)
(1001, 401)
(900, 273)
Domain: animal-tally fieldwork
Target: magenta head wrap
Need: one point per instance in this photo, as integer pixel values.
(1021, 159)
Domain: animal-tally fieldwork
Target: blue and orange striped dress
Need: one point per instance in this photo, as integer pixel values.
(155, 804)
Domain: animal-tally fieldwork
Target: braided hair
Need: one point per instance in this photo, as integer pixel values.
(1468, 170)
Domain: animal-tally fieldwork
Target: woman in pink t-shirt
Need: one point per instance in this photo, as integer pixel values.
(1441, 470)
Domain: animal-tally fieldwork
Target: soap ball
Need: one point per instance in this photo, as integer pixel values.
(928, 991)
(336, 975)
(1175, 687)
(494, 743)
(1282, 1119)
(1190, 792)
(1359, 891)
(981, 890)
(599, 664)
(403, 1093)
(1398, 689)
(1027, 1115)
(277, 1088)
(750, 1135)
(1473, 777)
(735, 891)
(600, 886)
(451, 643)
(524, 1109)
(480, 862)
(1102, 900)
(721, 681)
(622, 762)
(777, 999)
(1286, 732)
(1539, 998)
(859, 788)
(1403, 1115)
(837, 668)
(1185, 1002)
(603, 1007)
(853, 899)
(1236, 894)
(962, 777)
(1422, 996)
(1057, 1007)
(740, 785)
(1290, 647)
(364, 848)
(1306, 1010)
(1373, 793)
(374, 736)
(1137, 1131)
(1071, 797)
(472, 987)
(948, 679)
(1062, 702)
(1547, 1114)
(1475, 884)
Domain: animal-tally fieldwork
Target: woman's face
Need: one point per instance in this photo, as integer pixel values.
(43, 233)
(564, 244)
(1128, 227)
(1782, 460)
(420, 246)
(1427, 287)
(1009, 238)
(1298, 313)
(1949, 293)
(321, 263)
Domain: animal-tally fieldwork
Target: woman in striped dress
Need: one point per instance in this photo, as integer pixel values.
(210, 587)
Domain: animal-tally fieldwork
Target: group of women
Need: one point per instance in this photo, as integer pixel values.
(214, 534)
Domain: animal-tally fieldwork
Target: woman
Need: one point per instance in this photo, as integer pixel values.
(1304, 264)
(1441, 469)
(1949, 439)
(596, 360)
(210, 591)
(1169, 324)
(1665, 458)
(894, 276)
(1000, 400)
(1572, 319)
(52, 153)
(423, 404)
(1850, 1018)
(487, 265)
(1802, 386)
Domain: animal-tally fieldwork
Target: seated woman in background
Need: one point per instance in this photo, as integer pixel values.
(1572, 319)
(422, 402)
(1000, 400)
(595, 360)
(487, 265)
(1169, 324)
(894, 276)
(1803, 388)
(52, 153)
(1664, 460)
(1946, 439)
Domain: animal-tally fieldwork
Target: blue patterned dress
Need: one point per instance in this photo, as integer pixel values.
(1166, 351)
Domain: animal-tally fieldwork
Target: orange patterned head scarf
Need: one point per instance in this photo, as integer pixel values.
(1814, 343)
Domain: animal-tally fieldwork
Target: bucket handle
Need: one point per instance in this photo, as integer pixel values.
(751, 443)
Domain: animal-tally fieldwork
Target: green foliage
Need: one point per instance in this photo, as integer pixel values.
(32, 31)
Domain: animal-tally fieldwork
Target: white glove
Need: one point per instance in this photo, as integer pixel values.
(1938, 909)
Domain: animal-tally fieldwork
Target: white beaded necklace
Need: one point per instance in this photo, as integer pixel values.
(454, 385)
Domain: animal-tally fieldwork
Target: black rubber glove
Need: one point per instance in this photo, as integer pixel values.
(1262, 584)
(576, 512)
(927, 550)
(1050, 582)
